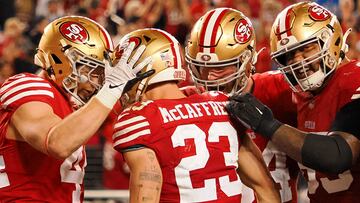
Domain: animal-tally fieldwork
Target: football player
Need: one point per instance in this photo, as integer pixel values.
(179, 148)
(221, 53)
(42, 157)
(308, 44)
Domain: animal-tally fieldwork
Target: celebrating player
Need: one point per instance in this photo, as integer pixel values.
(183, 149)
(221, 53)
(42, 157)
(308, 44)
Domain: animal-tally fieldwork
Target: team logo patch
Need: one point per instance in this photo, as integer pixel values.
(205, 57)
(243, 31)
(284, 41)
(168, 58)
(74, 32)
(119, 50)
(319, 13)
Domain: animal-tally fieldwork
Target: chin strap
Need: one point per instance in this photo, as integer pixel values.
(256, 54)
(344, 47)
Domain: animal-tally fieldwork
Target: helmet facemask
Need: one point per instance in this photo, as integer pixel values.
(238, 79)
(326, 64)
(85, 69)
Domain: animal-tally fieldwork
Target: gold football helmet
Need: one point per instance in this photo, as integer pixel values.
(71, 51)
(294, 29)
(167, 60)
(222, 37)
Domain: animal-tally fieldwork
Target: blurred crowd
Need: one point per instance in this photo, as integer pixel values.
(22, 23)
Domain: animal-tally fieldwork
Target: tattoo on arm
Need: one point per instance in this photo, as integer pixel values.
(149, 180)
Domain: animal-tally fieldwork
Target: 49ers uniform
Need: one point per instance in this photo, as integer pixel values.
(316, 114)
(195, 143)
(27, 175)
(272, 90)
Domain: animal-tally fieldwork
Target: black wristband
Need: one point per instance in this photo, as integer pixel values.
(267, 128)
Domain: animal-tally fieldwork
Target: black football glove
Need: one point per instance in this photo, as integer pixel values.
(249, 111)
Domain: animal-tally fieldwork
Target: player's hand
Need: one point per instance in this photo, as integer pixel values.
(123, 76)
(120, 77)
(249, 111)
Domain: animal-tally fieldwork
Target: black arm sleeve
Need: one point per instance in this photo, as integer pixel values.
(332, 154)
(327, 154)
(348, 119)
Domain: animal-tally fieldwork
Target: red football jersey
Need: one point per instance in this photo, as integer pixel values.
(195, 143)
(315, 114)
(27, 175)
(272, 90)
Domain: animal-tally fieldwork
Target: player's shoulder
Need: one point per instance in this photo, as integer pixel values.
(24, 87)
(350, 69)
(137, 111)
(269, 77)
(213, 96)
(348, 75)
(132, 126)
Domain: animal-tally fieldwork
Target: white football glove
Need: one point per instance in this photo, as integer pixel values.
(122, 76)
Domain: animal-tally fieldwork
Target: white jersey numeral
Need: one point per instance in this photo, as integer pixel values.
(200, 159)
(4, 179)
(331, 186)
(280, 174)
(72, 172)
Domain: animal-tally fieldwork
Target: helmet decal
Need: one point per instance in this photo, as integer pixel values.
(319, 13)
(74, 32)
(243, 31)
(205, 57)
(119, 50)
(174, 49)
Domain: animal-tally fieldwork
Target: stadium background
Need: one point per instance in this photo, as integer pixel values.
(22, 23)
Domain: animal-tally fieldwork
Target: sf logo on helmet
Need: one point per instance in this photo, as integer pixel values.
(74, 32)
(319, 13)
(243, 31)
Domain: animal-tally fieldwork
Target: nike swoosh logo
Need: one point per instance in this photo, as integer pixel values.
(114, 86)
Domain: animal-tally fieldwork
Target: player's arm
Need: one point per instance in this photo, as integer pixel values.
(334, 153)
(145, 175)
(37, 124)
(256, 174)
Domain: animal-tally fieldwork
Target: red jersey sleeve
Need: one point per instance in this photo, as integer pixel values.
(131, 129)
(349, 82)
(23, 88)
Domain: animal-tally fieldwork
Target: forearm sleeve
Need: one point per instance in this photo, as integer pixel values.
(328, 154)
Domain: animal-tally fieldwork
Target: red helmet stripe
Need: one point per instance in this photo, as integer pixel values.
(277, 32)
(287, 22)
(203, 30)
(214, 32)
(209, 29)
